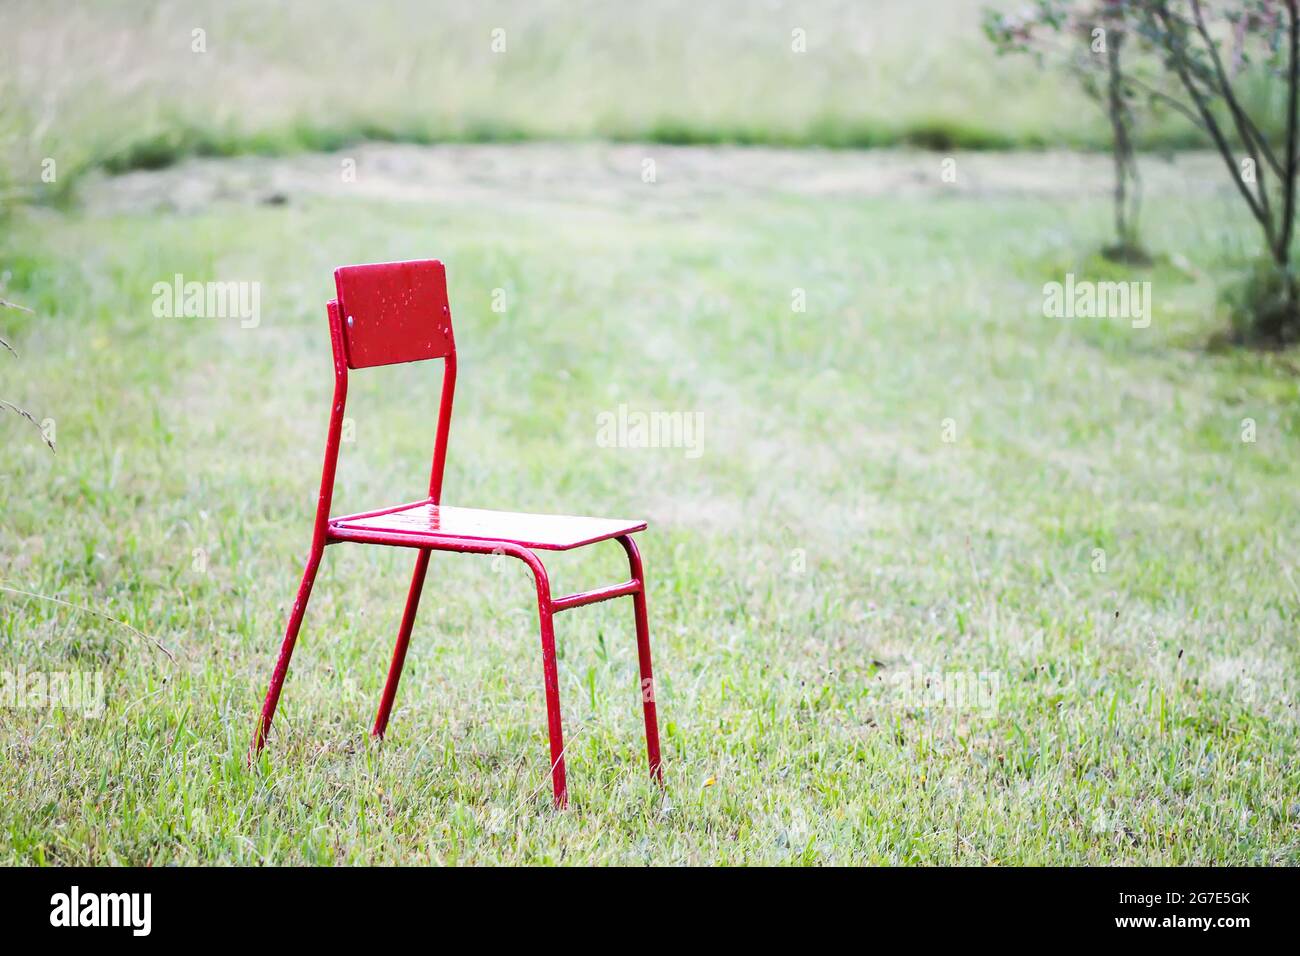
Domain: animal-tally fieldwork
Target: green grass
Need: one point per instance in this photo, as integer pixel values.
(117, 85)
(1144, 715)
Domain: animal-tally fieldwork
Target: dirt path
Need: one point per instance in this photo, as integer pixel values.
(599, 173)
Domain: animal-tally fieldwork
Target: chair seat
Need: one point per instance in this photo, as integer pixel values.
(440, 522)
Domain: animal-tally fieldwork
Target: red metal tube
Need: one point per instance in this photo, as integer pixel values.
(643, 658)
(403, 640)
(319, 533)
(593, 596)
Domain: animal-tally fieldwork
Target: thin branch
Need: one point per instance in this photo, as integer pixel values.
(90, 610)
(1177, 58)
(1244, 122)
(1250, 135)
(24, 413)
(14, 305)
(1293, 102)
(1155, 93)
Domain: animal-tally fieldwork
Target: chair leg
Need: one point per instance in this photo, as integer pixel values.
(647, 687)
(286, 651)
(643, 659)
(551, 677)
(550, 674)
(403, 640)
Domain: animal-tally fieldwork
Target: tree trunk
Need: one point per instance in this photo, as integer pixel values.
(1127, 183)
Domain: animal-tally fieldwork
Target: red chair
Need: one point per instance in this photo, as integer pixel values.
(395, 312)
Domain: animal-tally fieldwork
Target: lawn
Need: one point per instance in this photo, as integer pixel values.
(917, 477)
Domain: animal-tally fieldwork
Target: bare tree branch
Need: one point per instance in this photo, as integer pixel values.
(1293, 95)
(1155, 93)
(1178, 60)
(1250, 135)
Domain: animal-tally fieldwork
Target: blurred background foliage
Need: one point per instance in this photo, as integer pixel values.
(116, 85)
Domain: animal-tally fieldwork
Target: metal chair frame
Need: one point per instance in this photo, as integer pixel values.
(395, 312)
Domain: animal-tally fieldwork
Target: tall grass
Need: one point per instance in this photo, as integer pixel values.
(119, 85)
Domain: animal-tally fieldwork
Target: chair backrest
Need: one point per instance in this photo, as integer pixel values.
(394, 312)
(386, 313)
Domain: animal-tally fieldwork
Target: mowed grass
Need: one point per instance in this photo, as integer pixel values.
(826, 545)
